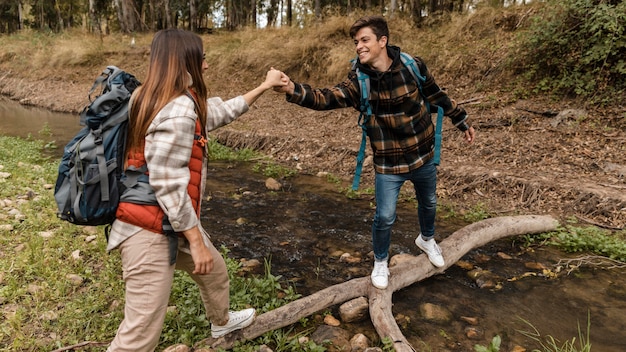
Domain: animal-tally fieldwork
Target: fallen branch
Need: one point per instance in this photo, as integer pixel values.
(403, 274)
(546, 113)
(470, 100)
(595, 261)
(604, 226)
(80, 345)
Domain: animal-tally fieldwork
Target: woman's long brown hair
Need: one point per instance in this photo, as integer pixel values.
(174, 53)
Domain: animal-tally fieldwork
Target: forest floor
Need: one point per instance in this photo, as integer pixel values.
(535, 156)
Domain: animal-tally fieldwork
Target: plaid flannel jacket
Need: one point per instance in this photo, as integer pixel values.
(400, 130)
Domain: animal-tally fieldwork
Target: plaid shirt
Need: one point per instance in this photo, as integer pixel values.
(169, 139)
(400, 130)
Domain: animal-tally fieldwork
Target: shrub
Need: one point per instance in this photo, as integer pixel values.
(577, 48)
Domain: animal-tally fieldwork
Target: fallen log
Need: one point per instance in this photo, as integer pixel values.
(453, 248)
(405, 273)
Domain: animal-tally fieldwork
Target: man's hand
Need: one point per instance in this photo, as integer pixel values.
(287, 87)
(470, 134)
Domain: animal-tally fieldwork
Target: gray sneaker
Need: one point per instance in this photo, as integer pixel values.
(236, 320)
(432, 250)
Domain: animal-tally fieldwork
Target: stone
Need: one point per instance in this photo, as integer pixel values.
(535, 266)
(75, 279)
(332, 321)
(49, 316)
(354, 310)
(90, 230)
(338, 337)
(464, 265)
(272, 184)
(435, 313)
(33, 289)
(504, 256)
(481, 258)
(474, 333)
(402, 320)
(349, 258)
(359, 342)
(177, 348)
(616, 290)
(470, 320)
(46, 234)
(322, 174)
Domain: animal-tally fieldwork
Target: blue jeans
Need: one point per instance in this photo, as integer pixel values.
(387, 188)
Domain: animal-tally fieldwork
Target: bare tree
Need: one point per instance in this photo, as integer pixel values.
(253, 13)
(416, 12)
(93, 19)
(127, 15)
(193, 15)
(318, 9)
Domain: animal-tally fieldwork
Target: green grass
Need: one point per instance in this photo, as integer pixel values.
(550, 344)
(589, 239)
(59, 289)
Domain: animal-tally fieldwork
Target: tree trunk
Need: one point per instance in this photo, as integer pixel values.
(94, 26)
(405, 273)
(416, 12)
(59, 25)
(318, 9)
(193, 16)
(393, 6)
(20, 15)
(289, 13)
(168, 14)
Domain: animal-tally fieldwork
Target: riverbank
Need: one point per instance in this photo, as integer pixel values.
(533, 155)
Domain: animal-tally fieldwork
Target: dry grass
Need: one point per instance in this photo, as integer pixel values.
(459, 51)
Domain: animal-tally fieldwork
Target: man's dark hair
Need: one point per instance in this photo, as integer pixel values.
(376, 23)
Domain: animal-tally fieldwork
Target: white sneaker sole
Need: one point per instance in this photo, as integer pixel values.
(242, 324)
(418, 244)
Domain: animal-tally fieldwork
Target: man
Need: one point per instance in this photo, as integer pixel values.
(400, 131)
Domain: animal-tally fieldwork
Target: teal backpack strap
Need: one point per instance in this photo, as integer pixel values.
(409, 62)
(438, 128)
(366, 112)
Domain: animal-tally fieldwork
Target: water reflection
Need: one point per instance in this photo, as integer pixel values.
(20, 121)
(301, 228)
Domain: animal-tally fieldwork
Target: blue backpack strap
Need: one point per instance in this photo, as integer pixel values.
(409, 62)
(366, 112)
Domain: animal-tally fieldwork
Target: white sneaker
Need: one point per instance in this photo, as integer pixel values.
(380, 274)
(432, 250)
(236, 320)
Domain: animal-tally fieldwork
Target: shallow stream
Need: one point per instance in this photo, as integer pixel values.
(302, 229)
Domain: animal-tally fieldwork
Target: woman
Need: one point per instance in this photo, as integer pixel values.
(170, 116)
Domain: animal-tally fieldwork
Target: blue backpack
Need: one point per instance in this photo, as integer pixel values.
(88, 185)
(366, 112)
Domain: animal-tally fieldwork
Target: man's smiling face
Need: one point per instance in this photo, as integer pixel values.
(368, 48)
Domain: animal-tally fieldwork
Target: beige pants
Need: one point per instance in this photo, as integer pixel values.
(148, 277)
